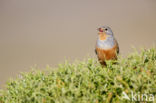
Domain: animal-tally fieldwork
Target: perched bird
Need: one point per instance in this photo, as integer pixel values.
(107, 46)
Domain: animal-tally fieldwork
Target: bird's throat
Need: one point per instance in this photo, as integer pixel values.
(102, 36)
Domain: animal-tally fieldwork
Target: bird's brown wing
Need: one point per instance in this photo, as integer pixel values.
(95, 51)
(117, 49)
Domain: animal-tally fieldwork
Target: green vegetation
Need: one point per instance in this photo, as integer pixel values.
(86, 82)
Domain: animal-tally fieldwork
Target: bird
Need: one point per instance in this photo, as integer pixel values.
(107, 47)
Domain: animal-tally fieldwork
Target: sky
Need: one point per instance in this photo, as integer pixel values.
(47, 32)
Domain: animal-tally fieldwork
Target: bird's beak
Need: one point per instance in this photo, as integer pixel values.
(100, 29)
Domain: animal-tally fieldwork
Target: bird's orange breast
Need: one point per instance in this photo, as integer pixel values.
(107, 54)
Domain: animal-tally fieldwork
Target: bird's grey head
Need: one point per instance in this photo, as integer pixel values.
(106, 29)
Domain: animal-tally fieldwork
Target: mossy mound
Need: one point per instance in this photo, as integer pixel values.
(86, 82)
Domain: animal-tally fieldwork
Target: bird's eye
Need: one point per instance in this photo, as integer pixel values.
(106, 29)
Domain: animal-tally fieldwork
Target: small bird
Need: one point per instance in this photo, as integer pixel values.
(107, 46)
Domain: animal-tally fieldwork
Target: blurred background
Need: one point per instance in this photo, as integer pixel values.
(41, 32)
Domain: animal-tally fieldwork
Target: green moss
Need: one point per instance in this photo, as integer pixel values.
(86, 81)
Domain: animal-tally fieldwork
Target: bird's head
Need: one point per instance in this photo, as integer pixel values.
(104, 32)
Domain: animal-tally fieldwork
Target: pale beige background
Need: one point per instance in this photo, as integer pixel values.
(48, 31)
